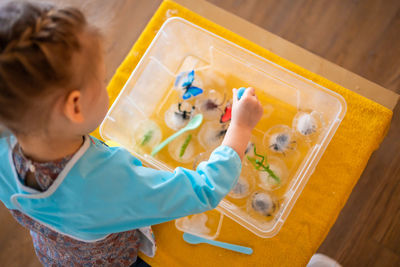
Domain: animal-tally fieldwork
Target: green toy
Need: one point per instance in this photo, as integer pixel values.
(185, 145)
(260, 165)
(147, 137)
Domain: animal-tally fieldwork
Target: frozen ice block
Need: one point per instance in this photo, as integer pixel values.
(279, 168)
(146, 135)
(178, 115)
(308, 124)
(186, 83)
(182, 149)
(211, 134)
(196, 223)
(246, 182)
(262, 203)
(280, 139)
(211, 105)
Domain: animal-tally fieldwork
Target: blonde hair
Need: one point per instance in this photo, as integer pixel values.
(37, 46)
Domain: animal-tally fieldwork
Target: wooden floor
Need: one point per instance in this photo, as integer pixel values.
(361, 36)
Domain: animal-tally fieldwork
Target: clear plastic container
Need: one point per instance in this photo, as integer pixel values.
(295, 143)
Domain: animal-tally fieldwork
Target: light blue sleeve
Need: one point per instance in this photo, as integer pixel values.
(186, 191)
(137, 196)
(117, 193)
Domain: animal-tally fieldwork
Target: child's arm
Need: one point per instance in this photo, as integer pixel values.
(110, 191)
(158, 196)
(246, 113)
(119, 194)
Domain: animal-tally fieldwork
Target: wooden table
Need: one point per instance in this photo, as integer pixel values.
(272, 42)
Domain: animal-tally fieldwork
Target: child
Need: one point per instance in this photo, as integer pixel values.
(83, 202)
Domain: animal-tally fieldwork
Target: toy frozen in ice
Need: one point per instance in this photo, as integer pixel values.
(280, 142)
(196, 223)
(308, 124)
(263, 204)
(210, 105)
(260, 164)
(185, 82)
(240, 189)
(227, 114)
(280, 139)
(146, 135)
(211, 134)
(279, 169)
(182, 149)
(245, 184)
(178, 115)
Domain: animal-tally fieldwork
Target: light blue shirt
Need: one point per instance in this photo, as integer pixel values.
(104, 190)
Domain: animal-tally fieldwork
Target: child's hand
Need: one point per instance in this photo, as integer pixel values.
(247, 111)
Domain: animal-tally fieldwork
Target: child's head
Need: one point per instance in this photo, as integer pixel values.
(51, 71)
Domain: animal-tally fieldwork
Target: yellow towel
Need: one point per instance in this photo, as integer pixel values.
(314, 213)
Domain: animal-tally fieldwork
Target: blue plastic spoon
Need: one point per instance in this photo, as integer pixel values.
(192, 124)
(194, 239)
(240, 92)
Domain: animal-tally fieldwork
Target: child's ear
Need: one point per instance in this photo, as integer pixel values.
(73, 107)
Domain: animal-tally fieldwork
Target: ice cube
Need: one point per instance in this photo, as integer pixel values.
(146, 134)
(196, 223)
(211, 134)
(263, 203)
(188, 84)
(279, 168)
(182, 149)
(178, 115)
(308, 124)
(280, 139)
(210, 105)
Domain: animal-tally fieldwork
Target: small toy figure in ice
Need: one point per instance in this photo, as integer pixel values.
(268, 181)
(263, 204)
(182, 148)
(196, 224)
(211, 134)
(146, 134)
(210, 106)
(246, 182)
(280, 142)
(307, 123)
(280, 139)
(241, 189)
(177, 116)
(260, 164)
(184, 81)
(227, 115)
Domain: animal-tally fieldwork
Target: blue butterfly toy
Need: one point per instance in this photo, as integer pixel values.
(184, 80)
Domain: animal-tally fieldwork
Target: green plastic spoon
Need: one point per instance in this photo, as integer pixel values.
(193, 124)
